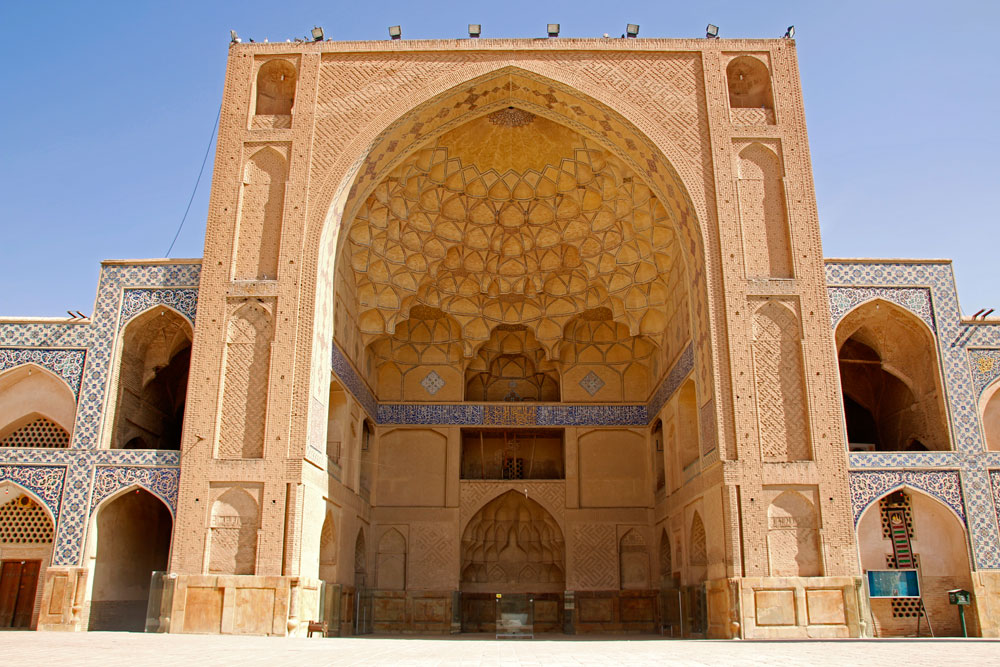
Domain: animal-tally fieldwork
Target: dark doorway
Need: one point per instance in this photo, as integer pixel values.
(18, 582)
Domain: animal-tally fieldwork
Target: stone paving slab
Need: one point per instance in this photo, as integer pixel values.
(111, 649)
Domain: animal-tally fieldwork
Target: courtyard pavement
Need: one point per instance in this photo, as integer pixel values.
(111, 649)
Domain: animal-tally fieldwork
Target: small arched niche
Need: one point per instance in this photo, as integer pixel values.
(890, 380)
(659, 468)
(154, 360)
(275, 88)
(37, 409)
(751, 99)
(688, 446)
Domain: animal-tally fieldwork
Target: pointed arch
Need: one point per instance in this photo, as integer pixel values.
(891, 379)
(512, 544)
(936, 543)
(391, 567)
(129, 539)
(360, 561)
(698, 549)
(793, 536)
(235, 520)
(260, 218)
(328, 547)
(767, 239)
(666, 560)
(153, 358)
(247, 365)
(587, 111)
(633, 561)
(29, 393)
(779, 378)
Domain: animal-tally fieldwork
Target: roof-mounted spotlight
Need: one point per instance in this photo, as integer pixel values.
(790, 33)
(234, 38)
(632, 30)
(395, 32)
(317, 33)
(553, 29)
(711, 31)
(475, 30)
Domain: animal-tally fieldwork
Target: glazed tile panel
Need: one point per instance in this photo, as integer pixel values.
(969, 363)
(72, 482)
(511, 414)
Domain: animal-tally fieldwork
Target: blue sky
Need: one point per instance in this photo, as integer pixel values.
(108, 108)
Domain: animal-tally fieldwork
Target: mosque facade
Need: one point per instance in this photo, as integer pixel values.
(542, 321)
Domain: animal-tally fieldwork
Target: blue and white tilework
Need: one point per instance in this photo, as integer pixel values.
(135, 301)
(961, 348)
(870, 485)
(46, 482)
(510, 414)
(67, 364)
(352, 382)
(161, 482)
(985, 367)
(915, 299)
(81, 353)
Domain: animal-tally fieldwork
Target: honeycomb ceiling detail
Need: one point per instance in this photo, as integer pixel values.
(513, 219)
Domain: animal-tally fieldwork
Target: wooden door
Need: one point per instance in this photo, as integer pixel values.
(18, 581)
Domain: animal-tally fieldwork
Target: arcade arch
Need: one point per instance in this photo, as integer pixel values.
(37, 408)
(26, 538)
(129, 539)
(891, 381)
(153, 362)
(938, 546)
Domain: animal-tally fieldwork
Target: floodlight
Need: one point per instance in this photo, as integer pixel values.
(317, 34)
(553, 29)
(395, 32)
(711, 31)
(475, 30)
(790, 33)
(632, 30)
(233, 37)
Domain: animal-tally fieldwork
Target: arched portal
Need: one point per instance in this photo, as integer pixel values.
(928, 537)
(154, 359)
(37, 408)
(891, 380)
(511, 546)
(130, 539)
(26, 536)
(531, 207)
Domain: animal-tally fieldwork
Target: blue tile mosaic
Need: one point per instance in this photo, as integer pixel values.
(161, 482)
(81, 353)
(985, 367)
(45, 482)
(67, 364)
(135, 301)
(968, 353)
(870, 485)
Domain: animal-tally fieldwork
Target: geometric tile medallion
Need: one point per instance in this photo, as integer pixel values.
(432, 382)
(591, 383)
